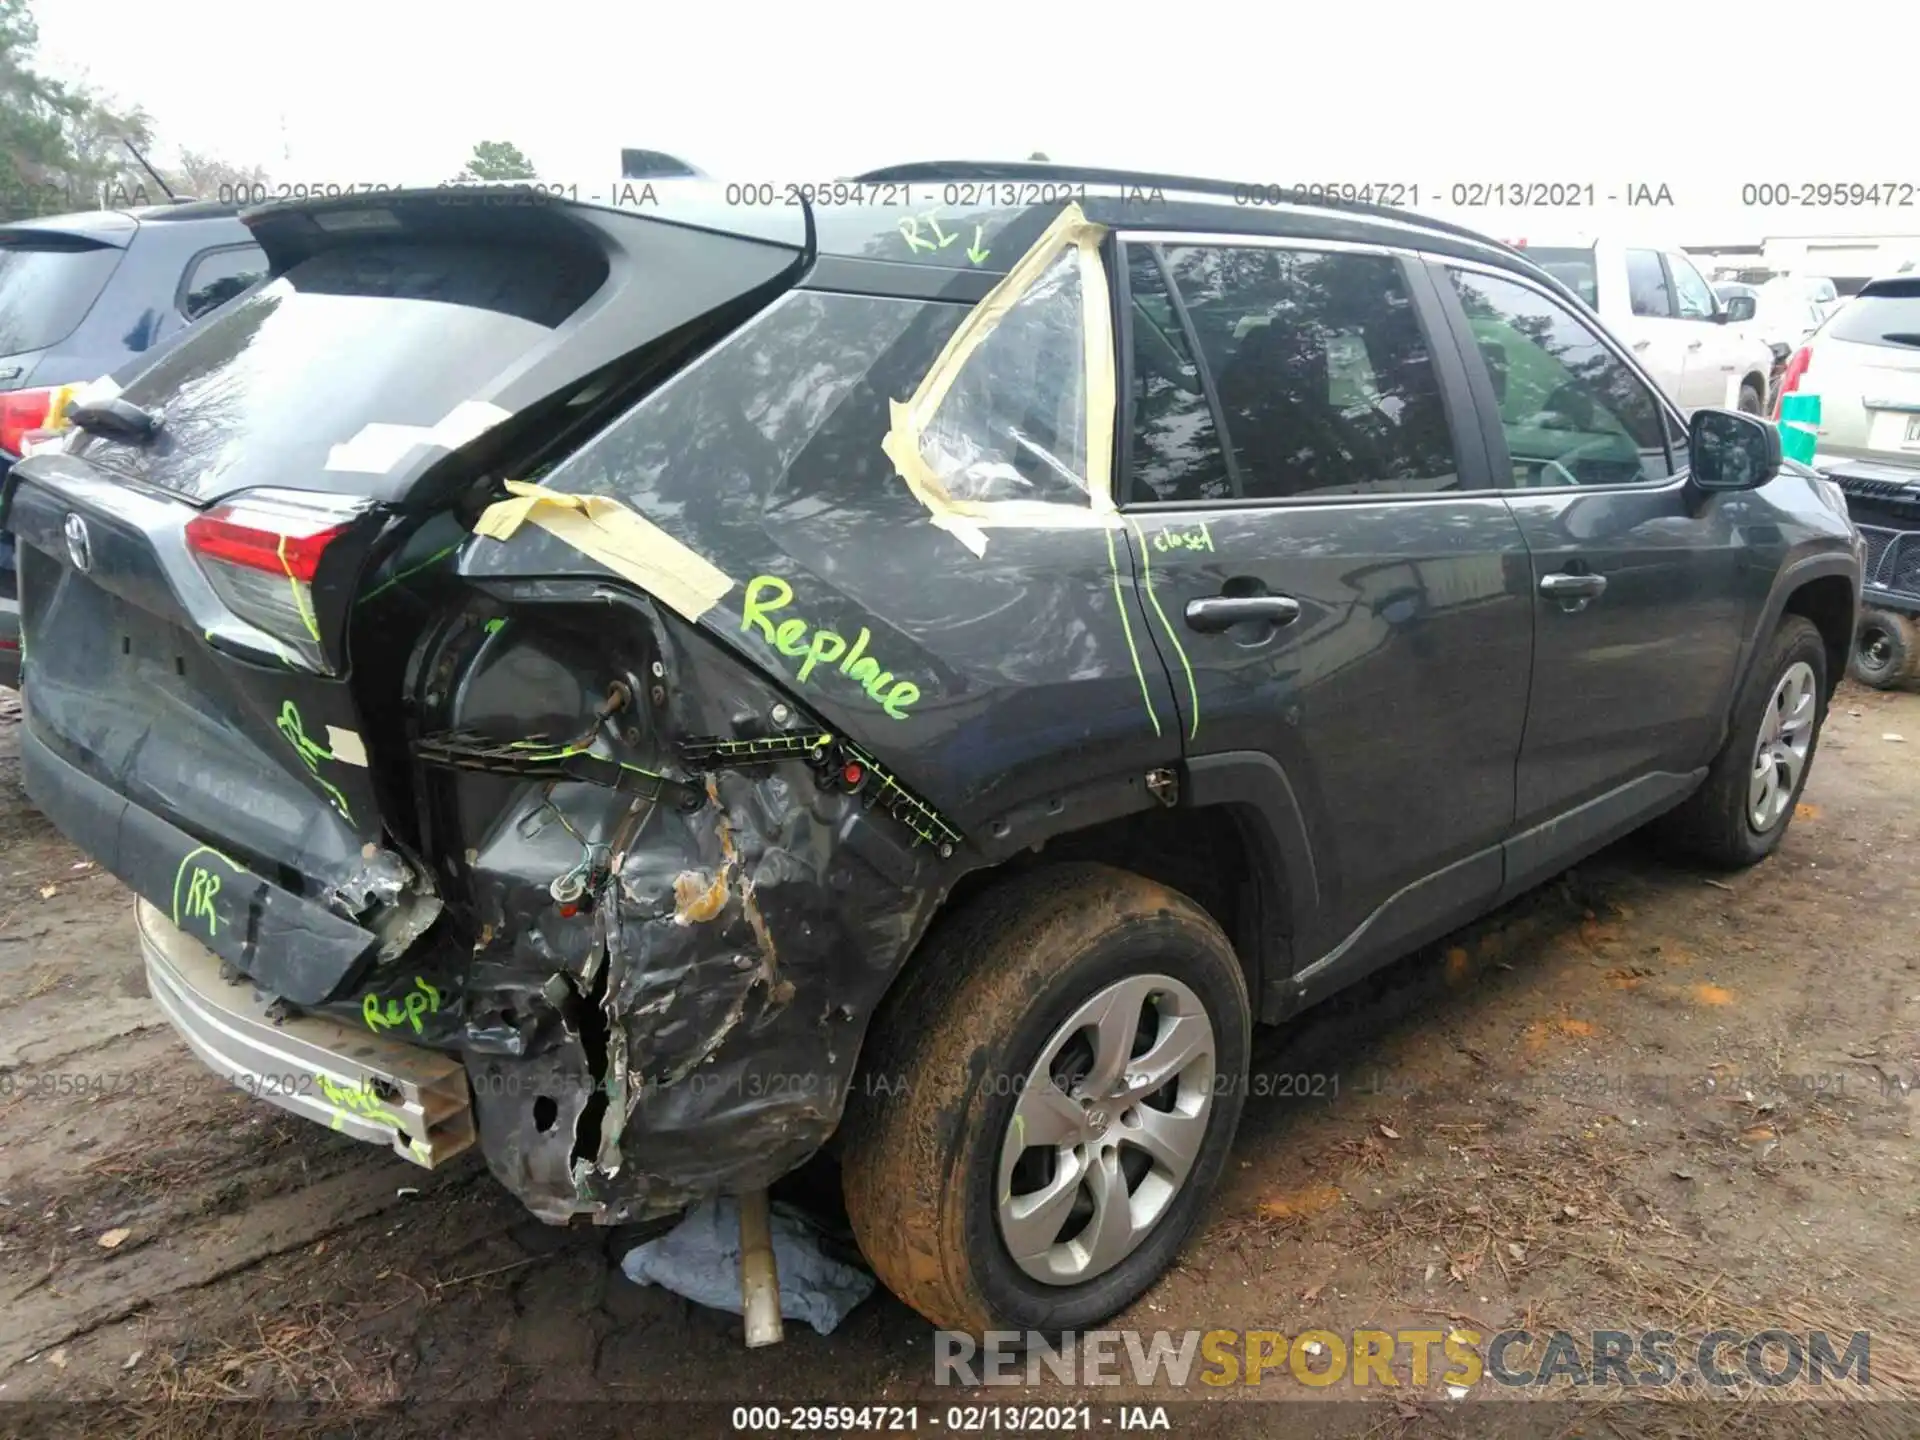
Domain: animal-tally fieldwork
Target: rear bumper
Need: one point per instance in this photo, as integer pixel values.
(375, 1089)
(291, 945)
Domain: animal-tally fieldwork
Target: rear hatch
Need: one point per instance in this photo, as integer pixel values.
(1865, 366)
(204, 713)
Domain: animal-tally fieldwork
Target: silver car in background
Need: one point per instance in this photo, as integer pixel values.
(1864, 364)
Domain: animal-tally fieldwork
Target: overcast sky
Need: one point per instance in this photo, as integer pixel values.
(1699, 96)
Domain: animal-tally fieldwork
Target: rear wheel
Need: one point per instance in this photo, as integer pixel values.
(1885, 651)
(1048, 1101)
(1750, 401)
(1738, 815)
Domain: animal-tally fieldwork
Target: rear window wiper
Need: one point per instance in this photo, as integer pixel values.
(115, 419)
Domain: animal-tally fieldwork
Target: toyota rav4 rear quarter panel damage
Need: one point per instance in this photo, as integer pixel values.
(207, 717)
(672, 970)
(784, 788)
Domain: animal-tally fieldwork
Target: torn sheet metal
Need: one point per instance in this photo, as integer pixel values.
(625, 542)
(681, 1016)
(951, 482)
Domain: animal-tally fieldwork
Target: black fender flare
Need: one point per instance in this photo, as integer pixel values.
(1257, 788)
(1791, 578)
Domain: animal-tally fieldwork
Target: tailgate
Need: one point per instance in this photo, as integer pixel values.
(167, 759)
(212, 712)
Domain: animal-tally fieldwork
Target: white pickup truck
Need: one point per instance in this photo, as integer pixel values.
(1653, 298)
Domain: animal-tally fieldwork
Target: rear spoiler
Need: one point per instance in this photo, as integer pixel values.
(290, 231)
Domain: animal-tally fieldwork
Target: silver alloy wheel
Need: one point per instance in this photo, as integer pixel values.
(1780, 754)
(1106, 1129)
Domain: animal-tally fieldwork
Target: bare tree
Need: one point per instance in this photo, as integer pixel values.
(207, 177)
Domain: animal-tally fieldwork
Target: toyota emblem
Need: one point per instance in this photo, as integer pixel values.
(79, 545)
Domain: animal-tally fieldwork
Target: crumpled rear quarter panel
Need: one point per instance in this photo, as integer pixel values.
(694, 1032)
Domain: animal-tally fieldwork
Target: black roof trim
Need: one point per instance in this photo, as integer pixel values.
(921, 171)
(897, 280)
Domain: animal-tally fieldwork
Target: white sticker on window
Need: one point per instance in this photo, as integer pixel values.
(379, 448)
(467, 421)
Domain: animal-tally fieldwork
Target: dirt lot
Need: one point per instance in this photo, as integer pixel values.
(1639, 1098)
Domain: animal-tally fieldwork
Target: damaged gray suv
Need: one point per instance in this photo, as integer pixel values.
(657, 691)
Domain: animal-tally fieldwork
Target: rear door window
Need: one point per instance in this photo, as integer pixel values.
(214, 277)
(48, 282)
(1175, 440)
(1889, 314)
(1322, 372)
(1647, 289)
(357, 343)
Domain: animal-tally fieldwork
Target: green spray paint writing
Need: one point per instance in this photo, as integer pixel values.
(312, 753)
(767, 594)
(415, 1006)
(196, 887)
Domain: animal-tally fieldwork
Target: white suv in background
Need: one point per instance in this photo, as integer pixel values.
(1864, 364)
(1703, 354)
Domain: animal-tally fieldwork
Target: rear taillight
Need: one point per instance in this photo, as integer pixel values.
(30, 415)
(1791, 377)
(261, 551)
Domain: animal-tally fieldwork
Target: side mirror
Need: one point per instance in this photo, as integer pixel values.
(1741, 308)
(1728, 450)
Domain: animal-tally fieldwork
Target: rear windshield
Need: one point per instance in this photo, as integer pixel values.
(383, 333)
(47, 284)
(1572, 268)
(1890, 315)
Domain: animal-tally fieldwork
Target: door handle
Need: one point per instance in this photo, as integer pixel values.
(1222, 612)
(1641, 344)
(1696, 345)
(1582, 588)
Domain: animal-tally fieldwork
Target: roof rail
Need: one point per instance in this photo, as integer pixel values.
(925, 170)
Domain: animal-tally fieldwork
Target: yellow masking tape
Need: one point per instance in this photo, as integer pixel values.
(625, 542)
(967, 520)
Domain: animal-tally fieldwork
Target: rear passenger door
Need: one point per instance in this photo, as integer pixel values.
(1335, 587)
(1642, 586)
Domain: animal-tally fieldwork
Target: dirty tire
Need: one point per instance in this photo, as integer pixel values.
(979, 1004)
(1712, 825)
(1750, 400)
(1886, 649)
